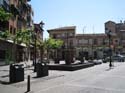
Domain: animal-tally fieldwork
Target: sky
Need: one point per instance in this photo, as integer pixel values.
(88, 16)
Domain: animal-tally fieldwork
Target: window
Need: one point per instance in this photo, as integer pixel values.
(84, 41)
(106, 28)
(66, 34)
(58, 36)
(2, 54)
(71, 34)
(103, 42)
(80, 41)
(63, 35)
(116, 41)
(11, 30)
(90, 41)
(54, 36)
(95, 41)
(71, 42)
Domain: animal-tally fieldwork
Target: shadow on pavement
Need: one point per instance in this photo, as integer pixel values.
(4, 76)
(4, 82)
(4, 70)
(109, 69)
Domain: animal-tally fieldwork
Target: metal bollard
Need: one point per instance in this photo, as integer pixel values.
(28, 83)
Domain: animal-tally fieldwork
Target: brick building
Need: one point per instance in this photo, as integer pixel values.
(91, 45)
(117, 29)
(21, 18)
(66, 34)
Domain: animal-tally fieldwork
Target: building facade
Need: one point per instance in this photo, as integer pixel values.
(91, 45)
(117, 29)
(94, 46)
(66, 34)
(21, 19)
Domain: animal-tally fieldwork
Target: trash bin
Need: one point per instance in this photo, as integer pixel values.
(16, 73)
(42, 69)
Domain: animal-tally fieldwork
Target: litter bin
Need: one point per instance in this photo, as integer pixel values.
(42, 69)
(16, 73)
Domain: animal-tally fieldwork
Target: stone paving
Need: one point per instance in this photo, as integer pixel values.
(96, 79)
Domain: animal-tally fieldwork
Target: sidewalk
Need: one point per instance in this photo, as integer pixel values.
(16, 87)
(9, 89)
(96, 79)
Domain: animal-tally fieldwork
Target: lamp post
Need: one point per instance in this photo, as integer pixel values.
(67, 51)
(108, 32)
(35, 40)
(34, 35)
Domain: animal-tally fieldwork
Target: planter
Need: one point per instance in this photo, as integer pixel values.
(16, 73)
(57, 60)
(41, 69)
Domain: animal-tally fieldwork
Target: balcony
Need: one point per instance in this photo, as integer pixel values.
(14, 10)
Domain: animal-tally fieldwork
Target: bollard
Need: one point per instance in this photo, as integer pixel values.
(28, 83)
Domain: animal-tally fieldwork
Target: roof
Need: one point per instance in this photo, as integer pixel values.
(63, 28)
(110, 22)
(91, 35)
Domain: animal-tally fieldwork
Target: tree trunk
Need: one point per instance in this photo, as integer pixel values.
(47, 54)
(14, 52)
(28, 54)
(41, 53)
(56, 57)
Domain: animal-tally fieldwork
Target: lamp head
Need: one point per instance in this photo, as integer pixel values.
(41, 24)
(108, 32)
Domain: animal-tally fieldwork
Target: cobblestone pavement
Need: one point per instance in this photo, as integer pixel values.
(96, 79)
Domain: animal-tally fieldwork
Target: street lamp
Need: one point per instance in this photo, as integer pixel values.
(67, 50)
(40, 25)
(34, 35)
(109, 33)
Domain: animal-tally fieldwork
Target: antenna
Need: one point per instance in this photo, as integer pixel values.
(93, 29)
(84, 29)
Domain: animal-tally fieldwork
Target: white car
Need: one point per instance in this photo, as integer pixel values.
(118, 58)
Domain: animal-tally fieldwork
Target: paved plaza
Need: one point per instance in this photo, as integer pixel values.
(96, 79)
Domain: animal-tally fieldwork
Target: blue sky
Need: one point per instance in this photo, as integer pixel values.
(88, 14)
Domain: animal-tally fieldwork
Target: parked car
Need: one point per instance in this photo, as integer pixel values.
(95, 61)
(118, 58)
